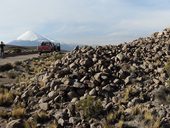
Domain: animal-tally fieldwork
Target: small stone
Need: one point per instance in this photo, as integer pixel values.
(61, 122)
(120, 56)
(97, 76)
(44, 106)
(74, 100)
(51, 94)
(74, 120)
(92, 92)
(109, 106)
(107, 88)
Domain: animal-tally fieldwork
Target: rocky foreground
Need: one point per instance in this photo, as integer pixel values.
(123, 86)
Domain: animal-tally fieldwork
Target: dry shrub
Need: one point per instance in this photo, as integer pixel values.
(4, 114)
(6, 98)
(6, 67)
(90, 107)
(18, 112)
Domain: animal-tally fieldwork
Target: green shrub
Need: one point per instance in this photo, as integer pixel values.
(16, 50)
(18, 63)
(6, 67)
(90, 107)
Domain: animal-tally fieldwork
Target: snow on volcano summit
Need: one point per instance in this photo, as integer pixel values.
(30, 36)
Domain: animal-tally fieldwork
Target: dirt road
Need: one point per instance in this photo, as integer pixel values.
(17, 58)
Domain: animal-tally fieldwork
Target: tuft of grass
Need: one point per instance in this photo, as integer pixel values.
(148, 116)
(30, 124)
(42, 117)
(112, 117)
(167, 68)
(6, 98)
(90, 107)
(157, 123)
(136, 110)
(128, 91)
(18, 112)
(120, 124)
(115, 116)
(52, 125)
(108, 126)
(4, 114)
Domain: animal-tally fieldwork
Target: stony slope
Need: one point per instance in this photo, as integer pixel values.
(107, 86)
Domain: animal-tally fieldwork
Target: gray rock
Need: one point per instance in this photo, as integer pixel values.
(92, 92)
(107, 88)
(74, 100)
(44, 106)
(120, 56)
(109, 106)
(97, 76)
(15, 124)
(51, 94)
(61, 122)
(74, 120)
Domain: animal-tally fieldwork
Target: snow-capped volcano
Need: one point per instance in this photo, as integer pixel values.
(31, 36)
(28, 38)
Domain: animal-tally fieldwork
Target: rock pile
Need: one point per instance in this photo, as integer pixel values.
(104, 86)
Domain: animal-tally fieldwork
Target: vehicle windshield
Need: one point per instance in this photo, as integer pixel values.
(45, 43)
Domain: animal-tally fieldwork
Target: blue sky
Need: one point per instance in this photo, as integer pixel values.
(84, 21)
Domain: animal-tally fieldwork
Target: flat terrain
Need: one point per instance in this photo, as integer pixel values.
(17, 58)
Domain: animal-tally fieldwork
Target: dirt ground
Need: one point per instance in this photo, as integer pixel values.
(16, 58)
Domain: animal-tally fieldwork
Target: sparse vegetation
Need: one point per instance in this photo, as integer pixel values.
(16, 50)
(18, 112)
(90, 107)
(30, 124)
(120, 124)
(167, 68)
(4, 114)
(18, 63)
(6, 67)
(52, 125)
(6, 98)
(148, 116)
(41, 117)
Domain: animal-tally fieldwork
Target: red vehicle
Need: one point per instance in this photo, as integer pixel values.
(48, 47)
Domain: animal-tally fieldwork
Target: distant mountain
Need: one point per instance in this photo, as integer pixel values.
(30, 38)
